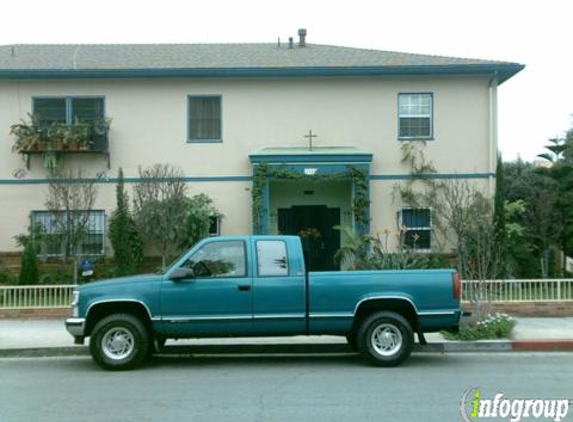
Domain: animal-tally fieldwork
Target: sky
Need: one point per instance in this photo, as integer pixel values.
(534, 106)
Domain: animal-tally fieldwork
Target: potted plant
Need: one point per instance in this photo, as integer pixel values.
(57, 132)
(77, 135)
(28, 136)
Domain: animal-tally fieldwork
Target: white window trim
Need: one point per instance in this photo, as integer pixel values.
(429, 116)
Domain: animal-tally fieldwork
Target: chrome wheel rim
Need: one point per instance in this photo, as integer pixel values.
(386, 339)
(118, 343)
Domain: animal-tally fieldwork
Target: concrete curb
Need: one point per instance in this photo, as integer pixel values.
(482, 346)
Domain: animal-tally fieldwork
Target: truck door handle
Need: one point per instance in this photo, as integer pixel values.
(244, 287)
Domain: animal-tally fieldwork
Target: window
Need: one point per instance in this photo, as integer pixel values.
(204, 114)
(68, 109)
(219, 259)
(415, 116)
(418, 224)
(54, 226)
(272, 258)
(214, 226)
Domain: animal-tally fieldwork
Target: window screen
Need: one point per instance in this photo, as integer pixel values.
(204, 118)
(272, 258)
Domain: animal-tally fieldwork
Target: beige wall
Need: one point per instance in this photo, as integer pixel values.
(149, 126)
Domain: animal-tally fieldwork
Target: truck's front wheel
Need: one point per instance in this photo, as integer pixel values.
(119, 341)
(386, 339)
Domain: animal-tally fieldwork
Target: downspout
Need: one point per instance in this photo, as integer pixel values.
(492, 131)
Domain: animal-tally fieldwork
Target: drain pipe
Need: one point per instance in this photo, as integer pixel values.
(492, 132)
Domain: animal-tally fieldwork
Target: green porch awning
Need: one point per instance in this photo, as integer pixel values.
(304, 155)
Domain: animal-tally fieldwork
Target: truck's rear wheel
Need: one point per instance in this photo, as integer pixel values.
(119, 341)
(386, 339)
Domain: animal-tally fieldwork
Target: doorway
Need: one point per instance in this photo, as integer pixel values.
(314, 224)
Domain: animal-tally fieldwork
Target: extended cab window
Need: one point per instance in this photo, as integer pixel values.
(272, 258)
(219, 259)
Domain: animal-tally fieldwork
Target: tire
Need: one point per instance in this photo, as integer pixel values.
(385, 339)
(119, 342)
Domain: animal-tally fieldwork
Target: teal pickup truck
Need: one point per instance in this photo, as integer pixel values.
(258, 286)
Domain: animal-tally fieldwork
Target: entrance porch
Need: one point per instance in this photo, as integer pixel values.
(309, 192)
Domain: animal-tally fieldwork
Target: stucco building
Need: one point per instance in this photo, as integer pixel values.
(220, 112)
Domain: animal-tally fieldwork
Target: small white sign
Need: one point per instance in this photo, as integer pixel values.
(310, 172)
(569, 264)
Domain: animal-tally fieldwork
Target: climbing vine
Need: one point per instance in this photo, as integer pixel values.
(421, 189)
(359, 177)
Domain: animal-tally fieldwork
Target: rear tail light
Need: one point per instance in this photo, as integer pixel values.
(457, 285)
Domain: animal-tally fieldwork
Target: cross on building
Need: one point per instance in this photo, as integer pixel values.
(310, 136)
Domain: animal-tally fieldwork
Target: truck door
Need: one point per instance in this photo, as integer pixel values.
(217, 299)
(279, 290)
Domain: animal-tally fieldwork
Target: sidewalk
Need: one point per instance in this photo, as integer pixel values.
(50, 338)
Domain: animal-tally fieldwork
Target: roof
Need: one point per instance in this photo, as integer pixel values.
(201, 60)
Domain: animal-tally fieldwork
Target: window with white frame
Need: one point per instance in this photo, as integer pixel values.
(417, 226)
(415, 113)
(53, 226)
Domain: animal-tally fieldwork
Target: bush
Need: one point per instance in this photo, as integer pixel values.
(496, 326)
(125, 239)
(6, 277)
(29, 271)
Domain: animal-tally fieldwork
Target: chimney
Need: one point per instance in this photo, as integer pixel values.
(302, 37)
(290, 43)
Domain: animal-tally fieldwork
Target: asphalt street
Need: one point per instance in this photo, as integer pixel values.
(298, 388)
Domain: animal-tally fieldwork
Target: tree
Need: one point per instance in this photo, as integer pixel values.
(71, 198)
(200, 209)
(560, 154)
(160, 208)
(538, 215)
(499, 222)
(123, 234)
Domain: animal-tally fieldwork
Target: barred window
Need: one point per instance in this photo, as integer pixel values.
(53, 226)
(415, 116)
(418, 228)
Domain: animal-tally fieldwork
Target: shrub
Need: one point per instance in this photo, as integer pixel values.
(491, 327)
(125, 239)
(29, 271)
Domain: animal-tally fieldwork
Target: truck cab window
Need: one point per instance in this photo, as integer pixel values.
(272, 258)
(219, 259)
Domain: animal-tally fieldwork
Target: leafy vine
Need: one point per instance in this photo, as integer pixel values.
(359, 177)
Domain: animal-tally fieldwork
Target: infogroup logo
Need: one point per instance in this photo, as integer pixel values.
(474, 407)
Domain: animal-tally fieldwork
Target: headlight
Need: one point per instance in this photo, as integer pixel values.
(74, 305)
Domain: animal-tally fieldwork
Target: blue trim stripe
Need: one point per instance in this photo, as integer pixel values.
(191, 179)
(504, 71)
(432, 176)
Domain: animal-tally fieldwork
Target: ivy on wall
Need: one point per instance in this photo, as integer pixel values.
(359, 177)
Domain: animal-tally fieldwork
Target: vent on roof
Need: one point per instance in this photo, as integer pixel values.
(302, 37)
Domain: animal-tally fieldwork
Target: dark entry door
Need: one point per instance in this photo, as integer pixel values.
(314, 224)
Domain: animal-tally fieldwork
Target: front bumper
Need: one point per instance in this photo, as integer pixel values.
(76, 326)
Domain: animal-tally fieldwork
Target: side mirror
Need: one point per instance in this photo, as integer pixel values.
(182, 273)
